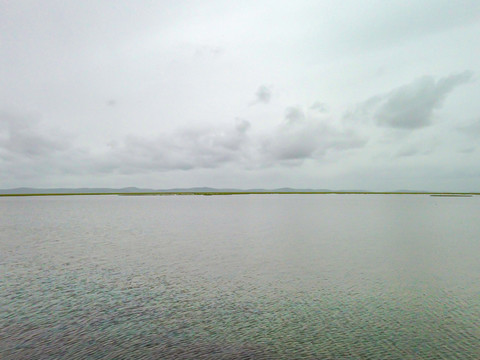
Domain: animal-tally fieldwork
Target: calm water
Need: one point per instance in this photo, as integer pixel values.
(239, 277)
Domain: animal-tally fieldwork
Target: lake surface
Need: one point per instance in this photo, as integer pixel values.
(240, 277)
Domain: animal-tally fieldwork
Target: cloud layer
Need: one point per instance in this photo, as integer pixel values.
(412, 106)
(295, 139)
(21, 138)
(301, 94)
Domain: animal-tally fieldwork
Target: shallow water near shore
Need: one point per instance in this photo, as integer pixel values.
(239, 277)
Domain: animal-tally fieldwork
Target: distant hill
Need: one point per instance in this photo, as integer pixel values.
(27, 190)
(133, 190)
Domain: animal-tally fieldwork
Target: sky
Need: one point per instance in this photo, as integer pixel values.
(354, 94)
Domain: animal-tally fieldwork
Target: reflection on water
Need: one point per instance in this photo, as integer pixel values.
(240, 277)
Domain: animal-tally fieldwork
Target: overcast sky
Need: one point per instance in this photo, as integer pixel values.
(352, 94)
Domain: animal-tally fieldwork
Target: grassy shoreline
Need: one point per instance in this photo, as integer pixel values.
(438, 194)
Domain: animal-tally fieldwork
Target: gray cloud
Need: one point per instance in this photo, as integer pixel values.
(362, 111)
(22, 142)
(301, 138)
(472, 128)
(408, 151)
(292, 145)
(263, 94)
(467, 150)
(183, 150)
(319, 106)
(413, 150)
(292, 142)
(294, 114)
(27, 152)
(31, 152)
(412, 106)
(20, 137)
(242, 126)
(187, 149)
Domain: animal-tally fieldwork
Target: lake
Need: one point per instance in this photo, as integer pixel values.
(240, 277)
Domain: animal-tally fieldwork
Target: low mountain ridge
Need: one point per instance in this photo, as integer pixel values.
(131, 189)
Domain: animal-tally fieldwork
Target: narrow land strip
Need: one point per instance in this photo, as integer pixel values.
(439, 194)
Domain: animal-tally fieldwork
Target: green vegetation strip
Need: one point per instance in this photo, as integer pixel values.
(254, 193)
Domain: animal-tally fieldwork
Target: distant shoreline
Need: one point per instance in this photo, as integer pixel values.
(438, 194)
